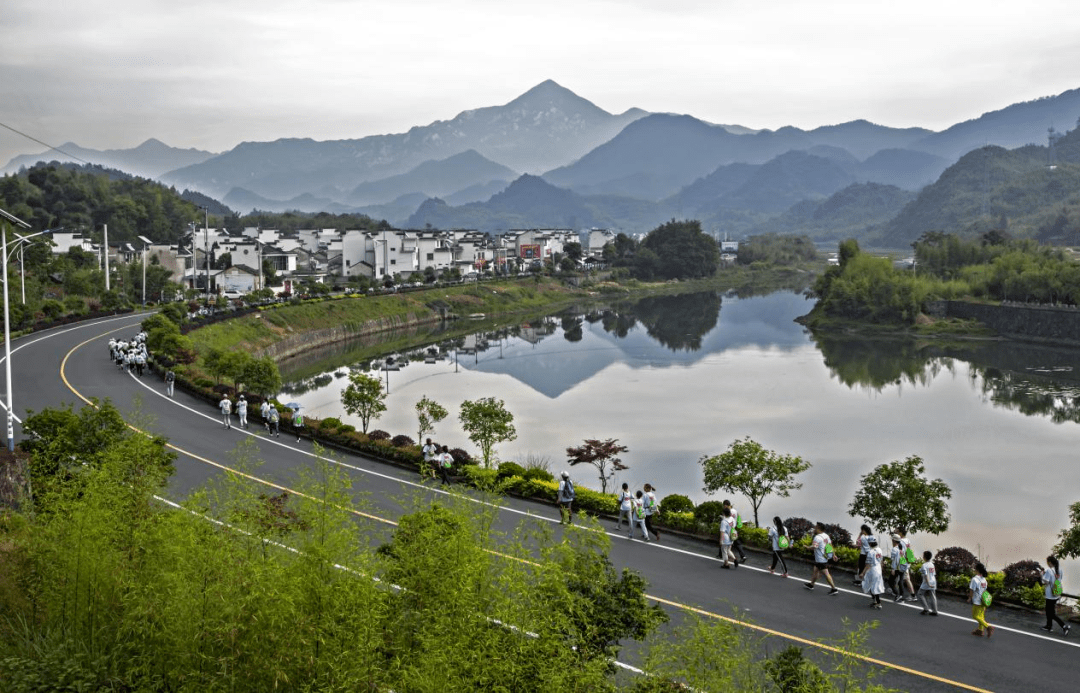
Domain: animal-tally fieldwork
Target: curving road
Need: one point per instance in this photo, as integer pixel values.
(71, 365)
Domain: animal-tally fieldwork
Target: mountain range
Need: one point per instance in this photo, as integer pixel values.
(552, 158)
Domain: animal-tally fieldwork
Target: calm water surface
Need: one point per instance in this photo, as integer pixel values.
(676, 378)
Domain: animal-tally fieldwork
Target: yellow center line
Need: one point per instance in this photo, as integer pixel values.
(674, 604)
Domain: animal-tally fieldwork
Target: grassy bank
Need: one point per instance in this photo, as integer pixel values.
(385, 313)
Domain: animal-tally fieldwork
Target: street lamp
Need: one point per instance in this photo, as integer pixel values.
(20, 246)
(146, 245)
(9, 219)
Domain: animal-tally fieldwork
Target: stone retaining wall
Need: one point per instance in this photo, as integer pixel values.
(1051, 324)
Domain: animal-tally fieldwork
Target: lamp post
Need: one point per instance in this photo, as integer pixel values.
(206, 250)
(146, 246)
(22, 271)
(8, 219)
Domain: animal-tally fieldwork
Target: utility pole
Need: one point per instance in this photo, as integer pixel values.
(206, 250)
(106, 249)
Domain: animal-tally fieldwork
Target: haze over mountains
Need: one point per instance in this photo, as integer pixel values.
(586, 167)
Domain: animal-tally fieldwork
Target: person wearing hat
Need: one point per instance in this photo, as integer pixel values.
(566, 499)
(872, 582)
(226, 411)
(899, 580)
(241, 411)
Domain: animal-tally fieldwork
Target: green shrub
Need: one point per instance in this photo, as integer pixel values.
(682, 521)
(538, 473)
(709, 512)
(509, 469)
(754, 536)
(204, 383)
(1033, 596)
(676, 503)
(346, 428)
(330, 424)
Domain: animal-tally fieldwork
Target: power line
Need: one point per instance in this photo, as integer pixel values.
(46, 144)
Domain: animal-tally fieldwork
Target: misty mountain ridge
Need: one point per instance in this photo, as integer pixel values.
(434, 179)
(151, 159)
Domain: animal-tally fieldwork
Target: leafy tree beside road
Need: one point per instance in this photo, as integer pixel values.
(487, 422)
(748, 468)
(428, 413)
(898, 494)
(364, 397)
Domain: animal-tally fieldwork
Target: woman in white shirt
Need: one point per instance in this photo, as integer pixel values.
(975, 595)
(1051, 581)
(862, 541)
(625, 503)
(872, 581)
(928, 588)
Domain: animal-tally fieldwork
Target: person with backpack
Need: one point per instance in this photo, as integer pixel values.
(298, 423)
(637, 515)
(737, 519)
(445, 462)
(898, 560)
(241, 411)
(823, 553)
(274, 422)
(928, 586)
(264, 412)
(226, 411)
(979, 597)
(907, 558)
(728, 534)
(625, 504)
(871, 577)
(778, 534)
(430, 452)
(565, 499)
(651, 510)
(170, 382)
(1052, 587)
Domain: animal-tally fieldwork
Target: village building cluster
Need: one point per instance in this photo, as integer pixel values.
(332, 255)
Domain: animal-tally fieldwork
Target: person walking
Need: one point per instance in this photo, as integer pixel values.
(651, 510)
(727, 537)
(140, 363)
(226, 411)
(778, 535)
(871, 577)
(737, 519)
(241, 411)
(862, 541)
(823, 553)
(445, 461)
(170, 382)
(907, 560)
(977, 596)
(1052, 590)
(625, 504)
(432, 457)
(298, 423)
(637, 516)
(565, 499)
(928, 586)
(273, 422)
(264, 413)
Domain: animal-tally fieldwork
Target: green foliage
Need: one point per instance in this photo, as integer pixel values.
(487, 422)
(779, 250)
(428, 413)
(1069, 544)
(676, 503)
(677, 250)
(748, 468)
(363, 397)
(898, 495)
(509, 469)
(261, 376)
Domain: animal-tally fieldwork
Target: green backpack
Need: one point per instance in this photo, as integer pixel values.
(987, 600)
(782, 542)
(1056, 589)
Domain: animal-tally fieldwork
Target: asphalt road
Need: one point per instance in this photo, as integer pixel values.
(71, 365)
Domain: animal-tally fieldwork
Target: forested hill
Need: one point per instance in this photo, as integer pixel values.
(1010, 190)
(72, 197)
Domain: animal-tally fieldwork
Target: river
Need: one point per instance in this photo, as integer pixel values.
(676, 378)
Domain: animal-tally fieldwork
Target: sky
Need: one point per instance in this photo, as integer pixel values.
(211, 74)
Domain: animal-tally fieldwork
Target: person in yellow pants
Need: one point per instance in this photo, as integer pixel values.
(976, 588)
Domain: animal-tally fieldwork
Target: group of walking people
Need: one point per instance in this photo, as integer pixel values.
(436, 460)
(638, 509)
(130, 355)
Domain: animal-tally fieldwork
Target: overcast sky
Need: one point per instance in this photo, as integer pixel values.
(213, 73)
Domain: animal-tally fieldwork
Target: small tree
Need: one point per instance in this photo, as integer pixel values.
(233, 366)
(487, 422)
(1069, 547)
(364, 397)
(428, 413)
(753, 471)
(602, 455)
(898, 494)
(262, 377)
